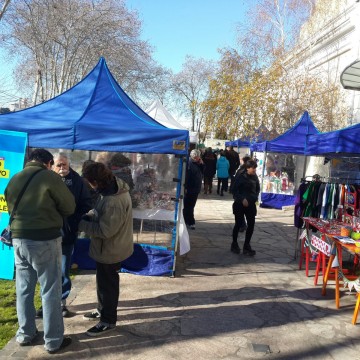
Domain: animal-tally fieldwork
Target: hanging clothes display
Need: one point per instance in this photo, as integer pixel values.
(320, 199)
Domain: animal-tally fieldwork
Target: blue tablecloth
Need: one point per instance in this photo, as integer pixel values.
(146, 259)
(276, 201)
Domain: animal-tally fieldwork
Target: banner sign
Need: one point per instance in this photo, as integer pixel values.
(12, 153)
(321, 245)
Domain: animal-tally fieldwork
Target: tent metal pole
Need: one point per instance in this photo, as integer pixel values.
(180, 209)
(262, 177)
(298, 230)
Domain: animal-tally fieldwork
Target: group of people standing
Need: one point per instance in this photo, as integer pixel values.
(244, 186)
(52, 203)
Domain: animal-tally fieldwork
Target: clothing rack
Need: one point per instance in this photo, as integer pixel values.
(333, 179)
(342, 179)
(315, 177)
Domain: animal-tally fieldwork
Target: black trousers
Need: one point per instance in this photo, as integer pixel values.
(189, 206)
(208, 181)
(224, 184)
(240, 212)
(108, 290)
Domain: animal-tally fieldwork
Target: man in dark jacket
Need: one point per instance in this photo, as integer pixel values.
(234, 161)
(209, 160)
(84, 202)
(193, 182)
(37, 247)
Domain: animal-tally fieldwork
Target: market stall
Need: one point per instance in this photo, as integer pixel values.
(97, 115)
(278, 172)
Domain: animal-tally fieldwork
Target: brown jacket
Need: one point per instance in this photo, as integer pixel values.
(111, 227)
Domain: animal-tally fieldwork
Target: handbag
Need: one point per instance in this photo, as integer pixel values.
(6, 236)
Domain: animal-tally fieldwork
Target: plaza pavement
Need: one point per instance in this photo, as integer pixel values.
(219, 305)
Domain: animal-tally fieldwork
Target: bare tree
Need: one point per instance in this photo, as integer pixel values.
(4, 7)
(59, 41)
(273, 29)
(191, 85)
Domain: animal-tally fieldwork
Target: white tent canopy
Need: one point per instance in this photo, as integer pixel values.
(158, 112)
(350, 77)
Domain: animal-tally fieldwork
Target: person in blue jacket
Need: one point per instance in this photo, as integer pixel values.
(222, 169)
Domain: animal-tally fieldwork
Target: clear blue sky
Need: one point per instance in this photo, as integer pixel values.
(176, 28)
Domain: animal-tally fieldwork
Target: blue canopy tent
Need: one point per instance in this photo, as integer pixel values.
(238, 143)
(293, 141)
(338, 143)
(260, 134)
(97, 115)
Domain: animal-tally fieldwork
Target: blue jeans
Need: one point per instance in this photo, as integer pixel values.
(39, 261)
(67, 251)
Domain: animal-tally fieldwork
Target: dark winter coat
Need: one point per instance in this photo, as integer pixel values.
(194, 177)
(45, 203)
(83, 200)
(246, 187)
(209, 160)
(234, 161)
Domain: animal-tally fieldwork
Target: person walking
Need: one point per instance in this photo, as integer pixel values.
(193, 182)
(37, 247)
(234, 161)
(238, 172)
(110, 226)
(222, 168)
(246, 191)
(209, 160)
(84, 203)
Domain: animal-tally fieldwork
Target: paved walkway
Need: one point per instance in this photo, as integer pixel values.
(219, 305)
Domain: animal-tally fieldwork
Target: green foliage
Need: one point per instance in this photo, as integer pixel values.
(8, 317)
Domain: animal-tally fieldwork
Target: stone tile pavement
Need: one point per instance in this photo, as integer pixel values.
(219, 305)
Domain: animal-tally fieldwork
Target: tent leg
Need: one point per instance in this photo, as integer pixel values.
(296, 243)
(180, 209)
(298, 230)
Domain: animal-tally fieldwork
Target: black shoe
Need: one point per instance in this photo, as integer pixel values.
(222, 194)
(94, 315)
(100, 329)
(249, 251)
(217, 191)
(65, 343)
(65, 312)
(235, 248)
(39, 313)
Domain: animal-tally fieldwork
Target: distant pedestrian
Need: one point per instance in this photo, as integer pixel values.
(234, 162)
(246, 192)
(243, 163)
(209, 160)
(37, 247)
(110, 227)
(222, 168)
(241, 169)
(193, 182)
